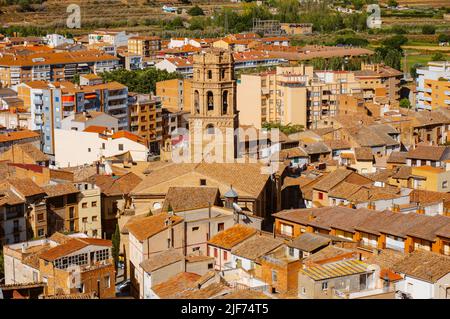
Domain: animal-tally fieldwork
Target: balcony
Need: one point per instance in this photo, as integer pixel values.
(38, 111)
(117, 107)
(38, 101)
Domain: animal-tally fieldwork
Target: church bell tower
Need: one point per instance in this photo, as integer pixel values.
(213, 109)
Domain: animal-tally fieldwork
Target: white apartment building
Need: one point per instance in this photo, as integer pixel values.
(74, 148)
(433, 86)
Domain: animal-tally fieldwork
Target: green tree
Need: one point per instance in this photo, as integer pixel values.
(428, 29)
(438, 56)
(286, 129)
(2, 263)
(413, 70)
(196, 11)
(116, 245)
(392, 3)
(405, 103)
(444, 37)
(139, 81)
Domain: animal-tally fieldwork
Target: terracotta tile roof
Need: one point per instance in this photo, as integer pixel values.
(60, 189)
(309, 242)
(256, 246)
(83, 117)
(162, 259)
(72, 245)
(428, 228)
(399, 224)
(403, 172)
(363, 154)
(32, 151)
(189, 198)
(96, 129)
(423, 265)
(432, 153)
(426, 197)
(17, 136)
(344, 190)
(232, 236)
(7, 197)
(130, 136)
(208, 292)
(397, 158)
(338, 144)
(45, 58)
(332, 180)
(444, 231)
(115, 186)
(176, 285)
(247, 179)
(147, 227)
(25, 186)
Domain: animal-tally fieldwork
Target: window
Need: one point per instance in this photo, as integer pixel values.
(84, 205)
(238, 263)
(94, 204)
(320, 195)
(215, 252)
(195, 228)
(40, 232)
(303, 290)
(210, 100)
(107, 281)
(220, 227)
(94, 233)
(120, 147)
(274, 276)
(103, 146)
(291, 251)
(210, 266)
(202, 182)
(225, 255)
(196, 249)
(89, 149)
(325, 285)
(287, 229)
(209, 74)
(444, 184)
(102, 254)
(85, 219)
(40, 217)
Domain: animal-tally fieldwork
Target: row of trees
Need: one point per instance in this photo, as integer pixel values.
(139, 81)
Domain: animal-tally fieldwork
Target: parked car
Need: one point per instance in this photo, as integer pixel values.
(124, 288)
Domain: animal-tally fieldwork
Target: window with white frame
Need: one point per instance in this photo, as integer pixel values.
(102, 254)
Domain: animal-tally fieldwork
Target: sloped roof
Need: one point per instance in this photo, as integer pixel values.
(176, 285)
(161, 259)
(32, 151)
(424, 265)
(309, 242)
(72, 245)
(147, 227)
(60, 189)
(232, 236)
(256, 246)
(113, 186)
(188, 198)
(397, 157)
(332, 179)
(432, 153)
(336, 269)
(25, 186)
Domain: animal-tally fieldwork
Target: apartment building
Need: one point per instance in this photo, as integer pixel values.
(175, 97)
(44, 102)
(145, 46)
(296, 95)
(379, 80)
(110, 98)
(75, 148)
(116, 38)
(433, 86)
(62, 208)
(70, 264)
(89, 209)
(35, 209)
(53, 66)
(12, 218)
(146, 119)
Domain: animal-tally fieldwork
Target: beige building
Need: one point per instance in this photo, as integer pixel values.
(296, 95)
(89, 209)
(145, 46)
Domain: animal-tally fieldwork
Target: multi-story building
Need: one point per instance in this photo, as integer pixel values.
(71, 264)
(116, 38)
(43, 100)
(433, 86)
(145, 46)
(62, 208)
(110, 98)
(12, 218)
(51, 66)
(18, 137)
(146, 119)
(379, 80)
(296, 95)
(89, 209)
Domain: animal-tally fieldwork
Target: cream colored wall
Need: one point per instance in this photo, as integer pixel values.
(90, 212)
(249, 100)
(294, 100)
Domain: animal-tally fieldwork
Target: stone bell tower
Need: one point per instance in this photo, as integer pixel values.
(213, 109)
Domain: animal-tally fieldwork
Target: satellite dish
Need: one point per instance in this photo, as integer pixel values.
(237, 208)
